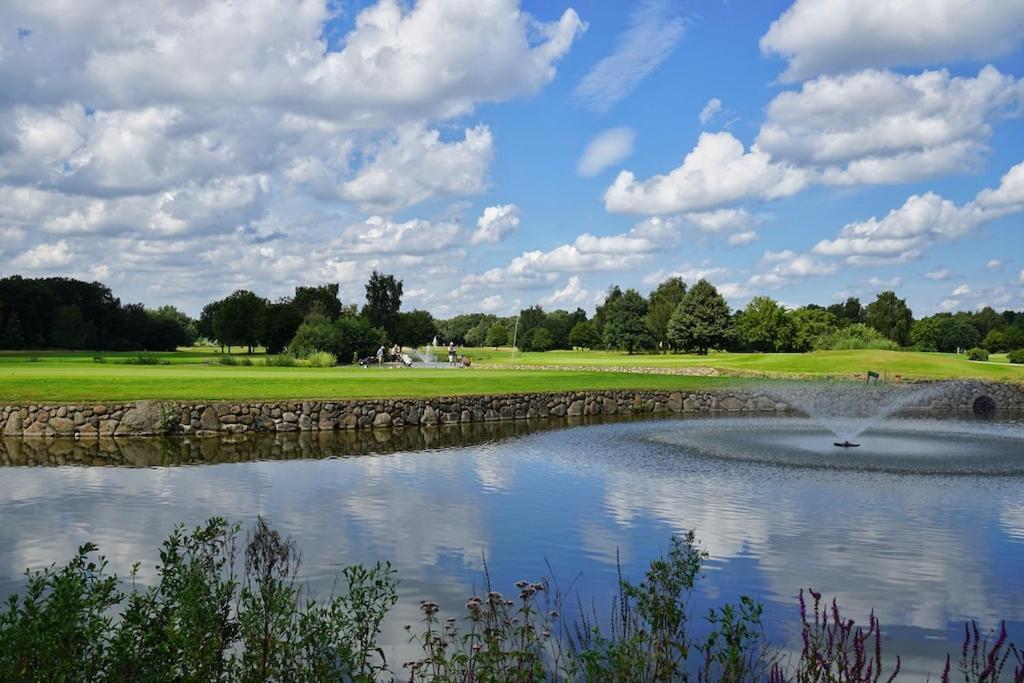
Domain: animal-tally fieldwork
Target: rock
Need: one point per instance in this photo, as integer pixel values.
(62, 426)
(348, 421)
(609, 406)
(38, 430)
(14, 425)
(429, 416)
(62, 411)
(305, 422)
(99, 410)
(382, 420)
(209, 422)
(575, 409)
(290, 417)
(145, 419)
(731, 403)
(107, 427)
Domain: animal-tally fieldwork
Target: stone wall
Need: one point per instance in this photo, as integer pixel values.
(144, 418)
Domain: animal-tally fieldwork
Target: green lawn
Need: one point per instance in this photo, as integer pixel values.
(824, 363)
(31, 377)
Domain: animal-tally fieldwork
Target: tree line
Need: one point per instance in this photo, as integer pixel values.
(63, 313)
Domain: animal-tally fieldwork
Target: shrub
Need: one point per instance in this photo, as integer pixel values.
(321, 359)
(1016, 357)
(282, 360)
(99, 359)
(226, 359)
(977, 353)
(144, 359)
(856, 336)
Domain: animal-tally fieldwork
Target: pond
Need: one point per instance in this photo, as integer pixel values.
(929, 536)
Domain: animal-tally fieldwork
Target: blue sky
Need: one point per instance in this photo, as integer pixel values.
(832, 150)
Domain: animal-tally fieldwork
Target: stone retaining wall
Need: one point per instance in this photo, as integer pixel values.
(145, 418)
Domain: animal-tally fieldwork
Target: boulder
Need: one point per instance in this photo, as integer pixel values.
(62, 426)
(382, 420)
(209, 421)
(145, 419)
(14, 425)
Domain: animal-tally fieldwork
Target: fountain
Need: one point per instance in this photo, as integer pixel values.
(845, 426)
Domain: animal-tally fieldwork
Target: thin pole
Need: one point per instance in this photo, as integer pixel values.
(515, 334)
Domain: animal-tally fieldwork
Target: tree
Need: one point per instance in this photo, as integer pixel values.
(537, 339)
(764, 326)
(849, 312)
(12, 336)
(383, 301)
(662, 304)
(281, 320)
(624, 325)
(559, 323)
(701, 321)
(237, 319)
(811, 323)
(584, 336)
(614, 293)
(890, 316)
(415, 328)
(323, 300)
(497, 335)
(529, 319)
(69, 330)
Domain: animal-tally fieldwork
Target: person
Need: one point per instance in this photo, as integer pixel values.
(380, 356)
(451, 353)
(396, 352)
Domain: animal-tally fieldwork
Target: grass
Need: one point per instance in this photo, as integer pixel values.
(910, 364)
(193, 375)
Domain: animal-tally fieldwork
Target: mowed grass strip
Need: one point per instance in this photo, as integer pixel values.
(69, 382)
(910, 364)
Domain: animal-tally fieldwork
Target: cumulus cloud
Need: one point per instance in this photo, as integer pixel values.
(716, 172)
(710, 111)
(740, 238)
(573, 294)
(416, 165)
(903, 233)
(722, 220)
(44, 256)
(833, 36)
(655, 29)
(608, 147)
(876, 127)
(994, 264)
(787, 266)
(495, 223)
(155, 140)
(938, 275)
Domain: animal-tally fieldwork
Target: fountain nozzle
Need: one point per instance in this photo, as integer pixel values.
(845, 444)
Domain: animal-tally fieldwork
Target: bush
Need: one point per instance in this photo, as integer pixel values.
(1016, 357)
(226, 359)
(347, 337)
(856, 336)
(321, 359)
(977, 353)
(144, 359)
(282, 360)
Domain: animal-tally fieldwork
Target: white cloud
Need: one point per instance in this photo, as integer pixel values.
(938, 275)
(741, 238)
(379, 235)
(787, 266)
(608, 147)
(831, 36)
(994, 264)
(891, 283)
(716, 172)
(655, 28)
(962, 290)
(877, 127)
(573, 294)
(710, 111)
(722, 220)
(416, 165)
(44, 256)
(495, 223)
(1020, 280)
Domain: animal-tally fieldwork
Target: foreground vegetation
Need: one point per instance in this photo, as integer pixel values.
(203, 621)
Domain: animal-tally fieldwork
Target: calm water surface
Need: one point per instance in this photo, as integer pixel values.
(918, 536)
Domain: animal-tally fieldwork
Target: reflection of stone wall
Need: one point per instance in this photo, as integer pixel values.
(146, 418)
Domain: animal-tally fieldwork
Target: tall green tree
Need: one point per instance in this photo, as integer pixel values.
(281, 319)
(811, 323)
(764, 326)
(497, 335)
(529, 320)
(322, 299)
(69, 329)
(614, 293)
(415, 328)
(702, 320)
(662, 303)
(850, 312)
(238, 319)
(890, 315)
(624, 325)
(584, 336)
(383, 301)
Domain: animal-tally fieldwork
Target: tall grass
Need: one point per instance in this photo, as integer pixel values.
(321, 359)
(205, 622)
